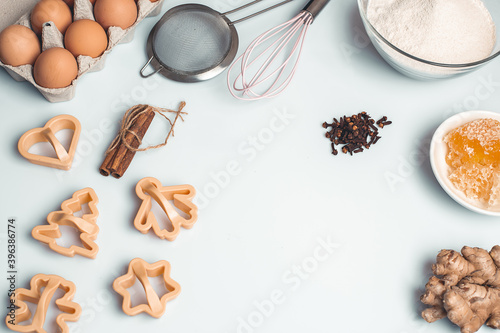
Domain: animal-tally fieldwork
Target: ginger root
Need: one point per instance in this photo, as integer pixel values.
(465, 288)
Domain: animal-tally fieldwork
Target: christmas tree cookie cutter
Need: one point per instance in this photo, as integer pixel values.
(86, 224)
(47, 134)
(140, 269)
(149, 189)
(71, 311)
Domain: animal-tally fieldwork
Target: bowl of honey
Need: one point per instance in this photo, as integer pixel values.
(465, 158)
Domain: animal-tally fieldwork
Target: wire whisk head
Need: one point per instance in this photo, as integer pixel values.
(269, 63)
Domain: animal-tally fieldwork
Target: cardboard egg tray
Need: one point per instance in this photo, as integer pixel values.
(51, 37)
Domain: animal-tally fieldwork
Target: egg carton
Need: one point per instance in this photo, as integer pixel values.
(52, 37)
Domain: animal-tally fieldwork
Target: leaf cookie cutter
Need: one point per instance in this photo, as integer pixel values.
(149, 189)
(47, 134)
(86, 225)
(140, 269)
(50, 284)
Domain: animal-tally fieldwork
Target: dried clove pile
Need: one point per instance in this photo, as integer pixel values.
(355, 133)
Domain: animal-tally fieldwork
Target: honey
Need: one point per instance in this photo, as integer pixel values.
(474, 158)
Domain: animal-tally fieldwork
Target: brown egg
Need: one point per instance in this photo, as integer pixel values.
(72, 2)
(56, 11)
(55, 68)
(116, 13)
(19, 45)
(86, 37)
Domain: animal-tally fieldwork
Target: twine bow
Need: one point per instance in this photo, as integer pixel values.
(131, 116)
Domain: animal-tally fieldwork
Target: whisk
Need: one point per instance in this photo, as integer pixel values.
(271, 74)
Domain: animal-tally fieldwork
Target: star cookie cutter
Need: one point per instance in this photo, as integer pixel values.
(86, 225)
(140, 269)
(149, 189)
(47, 134)
(42, 298)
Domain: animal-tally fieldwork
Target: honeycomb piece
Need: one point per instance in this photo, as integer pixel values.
(474, 157)
(495, 190)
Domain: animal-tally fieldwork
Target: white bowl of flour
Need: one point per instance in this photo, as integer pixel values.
(433, 39)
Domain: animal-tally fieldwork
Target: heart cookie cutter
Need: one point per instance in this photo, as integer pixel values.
(42, 298)
(86, 225)
(47, 134)
(149, 189)
(140, 269)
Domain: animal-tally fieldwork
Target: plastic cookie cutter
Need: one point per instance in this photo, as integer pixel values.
(66, 216)
(149, 189)
(47, 134)
(43, 287)
(140, 269)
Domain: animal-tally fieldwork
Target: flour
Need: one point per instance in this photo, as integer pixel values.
(443, 31)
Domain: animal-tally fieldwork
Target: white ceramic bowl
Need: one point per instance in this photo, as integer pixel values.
(439, 150)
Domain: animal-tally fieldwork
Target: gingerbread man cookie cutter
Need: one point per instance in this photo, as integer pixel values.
(86, 225)
(47, 134)
(141, 270)
(42, 298)
(149, 189)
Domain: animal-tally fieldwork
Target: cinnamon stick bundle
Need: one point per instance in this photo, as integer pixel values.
(121, 152)
(134, 126)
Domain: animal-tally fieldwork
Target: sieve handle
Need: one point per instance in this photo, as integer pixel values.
(241, 7)
(146, 66)
(256, 13)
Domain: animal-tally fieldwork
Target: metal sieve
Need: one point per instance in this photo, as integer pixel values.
(193, 42)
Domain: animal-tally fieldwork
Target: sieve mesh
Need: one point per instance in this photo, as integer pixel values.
(192, 40)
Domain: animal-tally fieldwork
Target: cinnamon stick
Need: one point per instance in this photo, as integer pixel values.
(104, 168)
(123, 156)
(110, 155)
